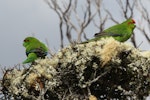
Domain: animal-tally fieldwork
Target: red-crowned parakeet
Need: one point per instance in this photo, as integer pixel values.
(34, 49)
(120, 32)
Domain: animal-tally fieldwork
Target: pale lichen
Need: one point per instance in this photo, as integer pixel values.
(105, 69)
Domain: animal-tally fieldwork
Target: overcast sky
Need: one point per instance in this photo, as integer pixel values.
(22, 18)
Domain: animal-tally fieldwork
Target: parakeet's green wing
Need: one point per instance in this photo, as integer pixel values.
(120, 33)
(111, 32)
(36, 45)
(116, 30)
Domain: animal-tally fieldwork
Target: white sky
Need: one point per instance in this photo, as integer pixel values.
(22, 18)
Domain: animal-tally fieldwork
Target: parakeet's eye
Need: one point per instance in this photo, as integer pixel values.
(26, 40)
(133, 21)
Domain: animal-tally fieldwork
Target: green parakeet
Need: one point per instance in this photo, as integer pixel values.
(34, 49)
(121, 32)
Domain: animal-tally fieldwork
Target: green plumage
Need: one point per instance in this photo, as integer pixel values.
(120, 32)
(34, 49)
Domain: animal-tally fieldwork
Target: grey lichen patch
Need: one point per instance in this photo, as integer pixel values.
(9, 77)
(105, 69)
(28, 82)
